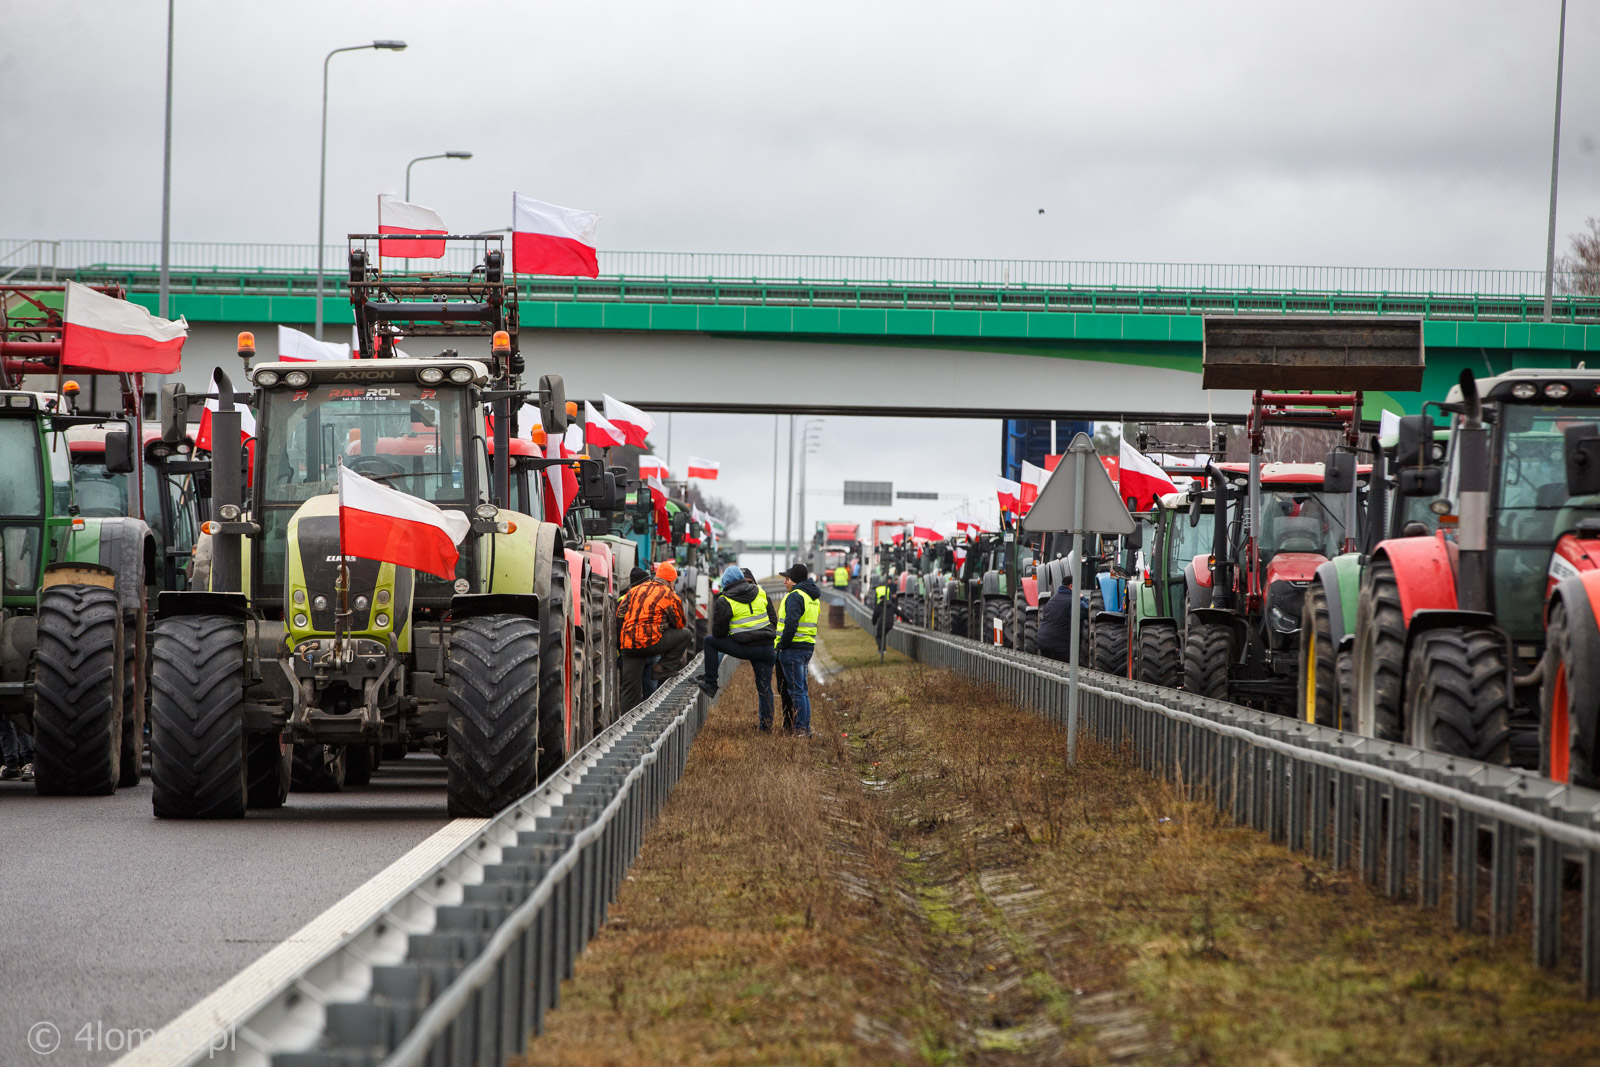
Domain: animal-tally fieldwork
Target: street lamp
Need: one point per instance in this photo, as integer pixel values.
(1555, 166)
(419, 159)
(322, 174)
(808, 445)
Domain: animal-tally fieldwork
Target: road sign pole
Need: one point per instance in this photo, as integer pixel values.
(1078, 469)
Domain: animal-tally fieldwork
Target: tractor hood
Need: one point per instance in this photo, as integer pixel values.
(380, 593)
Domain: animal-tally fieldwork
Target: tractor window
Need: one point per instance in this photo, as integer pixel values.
(98, 493)
(1188, 541)
(1532, 507)
(20, 495)
(1297, 519)
(404, 434)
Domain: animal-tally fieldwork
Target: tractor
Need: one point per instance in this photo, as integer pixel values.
(296, 644)
(1478, 638)
(1162, 599)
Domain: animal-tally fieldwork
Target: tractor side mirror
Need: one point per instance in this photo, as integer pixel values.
(1135, 540)
(680, 527)
(1421, 481)
(597, 487)
(1583, 459)
(1416, 437)
(1194, 510)
(172, 406)
(1339, 473)
(119, 452)
(553, 404)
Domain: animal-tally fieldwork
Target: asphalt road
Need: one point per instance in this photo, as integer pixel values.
(112, 920)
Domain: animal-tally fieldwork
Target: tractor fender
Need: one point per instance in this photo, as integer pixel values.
(548, 539)
(1197, 589)
(1030, 590)
(1222, 616)
(1110, 590)
(991, 584)
(1426, 619)
(1157, 622)
(1424, 571)
(126, 547)
(1580, 595)
(1340, 579)
(601, 564)
(577, 571)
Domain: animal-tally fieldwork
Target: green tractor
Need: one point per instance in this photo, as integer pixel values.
(296, 644)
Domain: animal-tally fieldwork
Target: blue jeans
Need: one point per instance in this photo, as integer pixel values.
(16, 744)
(761, 659)
(794, 661)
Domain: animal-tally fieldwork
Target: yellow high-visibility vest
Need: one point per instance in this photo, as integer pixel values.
(749, 618)
(806, 632)
(882, 591)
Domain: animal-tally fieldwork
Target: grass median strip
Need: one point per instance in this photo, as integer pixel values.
(925, 881)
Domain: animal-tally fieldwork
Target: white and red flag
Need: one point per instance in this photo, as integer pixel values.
(397, 216)
(382, 523)
(547, 239)
(651, 467)
(1140, 478)
(634, 424)
(658, 500)
(969, 527)
(1009, 492)
(1033, 479)
(247, 425)
(103, 333)
(297, 347)
(704, 468)
(598, 430)
(926, 533)
(561, 485)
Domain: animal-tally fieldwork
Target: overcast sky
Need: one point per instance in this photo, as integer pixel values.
(1390, 133)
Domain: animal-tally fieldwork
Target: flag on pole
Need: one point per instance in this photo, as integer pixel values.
(658, 500)
(1009, 492)
(379, 522)
(1033, 479)
(561, 485)
(297, 347)
(651, 467)
(969, 527)
(598, 430)
(704, 468)
(546, 239)
(1140, 478)
(103, 333)
(247, 425)
(926, 533)
(634, 424)
(397, 216)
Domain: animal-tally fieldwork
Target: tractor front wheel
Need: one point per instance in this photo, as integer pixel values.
(77, 692)
(197, 739)
(1561, 753)
(1159, 659)
(1457, 701)
(554, 706)
(1207, 651)
(1108, 635)
(1319, 663)
(1380, 658)
(493, 727)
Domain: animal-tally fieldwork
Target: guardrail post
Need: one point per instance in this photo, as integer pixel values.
(1546, 901)
(1344, 819)
(1591, 924)
(1297, 805)
(1371, 828)
(1464, 864)
(1399, 837)
(1503, 880)
(1430, 851)
(1321, 801)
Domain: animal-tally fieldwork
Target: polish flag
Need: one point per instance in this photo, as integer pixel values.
(634, 424)
(1033, 479)
(960, 555)
(1009, 492)
(968, 527)
(561, 485)
(926, 533)
(297, 347)
(546, 239)
(598, 430)
(651, 467)
(379, 522)
(103, 333)
(397, 216)
(247, 425)
(704, 468)
(658, 500)
(1140, 478)
(898, 538)
(572, 441)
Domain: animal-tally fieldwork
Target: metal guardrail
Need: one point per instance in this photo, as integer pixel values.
(460, 969)
(1354, 801)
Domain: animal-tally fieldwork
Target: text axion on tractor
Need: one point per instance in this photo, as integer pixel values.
(296, 647)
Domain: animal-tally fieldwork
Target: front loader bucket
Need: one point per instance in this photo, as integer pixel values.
(1312, 352)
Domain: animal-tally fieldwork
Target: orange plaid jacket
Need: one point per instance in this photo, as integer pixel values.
(647, 610)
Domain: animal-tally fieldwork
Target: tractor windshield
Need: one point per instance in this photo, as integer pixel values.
(410, 436)
(1532, 508)
(1188, 541)
(1298, 518)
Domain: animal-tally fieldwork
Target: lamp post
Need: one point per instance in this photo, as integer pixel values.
(419, 159)
(808, 445)
(1555, 162)
(166, 187)
(322, 170)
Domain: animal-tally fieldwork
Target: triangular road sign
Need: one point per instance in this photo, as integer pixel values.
(1103, 511)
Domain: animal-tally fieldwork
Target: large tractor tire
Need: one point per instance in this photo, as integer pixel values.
(77, 696)
(996, 612)
(135, 699)
(359, 763)
(956, 619)
(318, 768)
(1458, 699)
(267, 770)
(1108, 635)
(1561, 753)
(1095, 606)
(493, 726)
(1030, 631)
(1207, 651)
(1320, 690)
(1158, 657)
(197, 740)
(554, 650)
(1380, 657)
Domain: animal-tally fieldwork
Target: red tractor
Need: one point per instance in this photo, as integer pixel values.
(1480, 639)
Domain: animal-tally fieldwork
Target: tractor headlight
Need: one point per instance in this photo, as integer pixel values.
(1557, 390)
(1524, 390)
(361, 603)
(1440, 507)
(267, 378)
(320, 603)
(228, 512)
(430, 375)
(383, 597)
(300, 597)
(297, 378)
(487, 511)
(300, 620)
(382, 620)
(461, 375)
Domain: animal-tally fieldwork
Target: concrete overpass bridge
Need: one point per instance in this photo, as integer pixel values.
(862, 335)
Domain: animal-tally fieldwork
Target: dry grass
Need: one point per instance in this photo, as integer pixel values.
(925, 881)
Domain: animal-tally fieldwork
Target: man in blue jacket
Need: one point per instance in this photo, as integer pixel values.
(797, 640)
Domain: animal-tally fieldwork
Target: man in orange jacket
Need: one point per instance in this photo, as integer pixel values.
(652, 625)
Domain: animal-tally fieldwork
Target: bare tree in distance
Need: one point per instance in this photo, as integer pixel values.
(714, 506)
(1580, 271)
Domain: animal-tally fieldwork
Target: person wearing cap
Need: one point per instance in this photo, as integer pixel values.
(651, 625)
(744, 625)
(797, 640)
(883, 609)
(1055, 618)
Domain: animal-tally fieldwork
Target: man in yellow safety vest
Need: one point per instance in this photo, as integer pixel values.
(841, 576)
(797, 640)
(744, 624)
